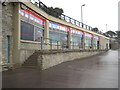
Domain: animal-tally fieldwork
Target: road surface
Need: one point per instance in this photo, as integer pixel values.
(100, 71)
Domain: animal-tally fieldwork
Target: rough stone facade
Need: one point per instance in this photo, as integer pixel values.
(48, 60)
(25, 54)
(7, 29)
(30, 46)
(0, 32)
(114, 44)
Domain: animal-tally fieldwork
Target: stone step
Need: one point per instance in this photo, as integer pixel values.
(7, 66)
(34, 67)
(29, 65)
(4, 67)
(31, 61)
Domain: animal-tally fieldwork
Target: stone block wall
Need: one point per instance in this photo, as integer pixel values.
(7, 29)
(114, 45)
(24, 55)
(0, 32)
(30, 46)
(48, 60)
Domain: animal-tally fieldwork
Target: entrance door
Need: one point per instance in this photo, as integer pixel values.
(7, 48)
(97, 44)
(106, 46)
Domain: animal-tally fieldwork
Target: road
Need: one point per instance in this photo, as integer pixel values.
(100, 71)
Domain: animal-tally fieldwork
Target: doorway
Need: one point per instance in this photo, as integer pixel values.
(98, 44)
(7, 48)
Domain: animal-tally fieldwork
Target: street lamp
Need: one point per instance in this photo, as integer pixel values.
(82, 13)
(106, 27)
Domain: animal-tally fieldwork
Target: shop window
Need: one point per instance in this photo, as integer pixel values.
(27, 31)
(54, 36)
(38, 34)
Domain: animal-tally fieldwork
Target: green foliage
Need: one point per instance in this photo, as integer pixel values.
(56, 12)
(111, 33)
(95, 29)
(118, 35)
(106, 34)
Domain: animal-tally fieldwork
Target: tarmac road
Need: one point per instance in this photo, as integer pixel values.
(100, 71)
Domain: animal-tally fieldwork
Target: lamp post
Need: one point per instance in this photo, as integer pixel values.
(106, 27)
(82, 13)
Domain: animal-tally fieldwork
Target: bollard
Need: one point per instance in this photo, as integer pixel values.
(50, 43)
(57, 45)
(41, 43)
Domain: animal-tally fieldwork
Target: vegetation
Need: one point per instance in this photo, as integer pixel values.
(56, 12)
(118, 36)
(95, 29)
(111, 34)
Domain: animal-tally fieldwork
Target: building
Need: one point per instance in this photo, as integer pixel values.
(26, 28)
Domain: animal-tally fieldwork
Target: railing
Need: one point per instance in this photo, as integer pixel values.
(63, 17)
(53, 44)
(64, 45)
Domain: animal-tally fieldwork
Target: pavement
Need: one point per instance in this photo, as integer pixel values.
(100, 71)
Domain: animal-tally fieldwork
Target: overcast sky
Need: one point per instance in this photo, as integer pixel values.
(96, 13)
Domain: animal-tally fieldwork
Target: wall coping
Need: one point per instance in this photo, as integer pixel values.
(64, 51)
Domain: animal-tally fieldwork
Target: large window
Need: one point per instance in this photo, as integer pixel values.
(95, 41)
(30, 32)
(38, 34)
(27, 31)
(88, 40)
(77, 37)
(32, 26)
(63, 37)
(77, 40)
(58, 32)
(54, 36)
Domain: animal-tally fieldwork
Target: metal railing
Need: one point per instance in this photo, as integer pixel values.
(64, 45)
(41, 5)
(53, 44)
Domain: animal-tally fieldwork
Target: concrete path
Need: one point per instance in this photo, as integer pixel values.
(99, 71)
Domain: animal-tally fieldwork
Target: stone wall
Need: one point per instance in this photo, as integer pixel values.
(7, 29)
(104, 43)
(0, 33)
(30, 46)
(114, 45)
(48, 60)
(25, 54)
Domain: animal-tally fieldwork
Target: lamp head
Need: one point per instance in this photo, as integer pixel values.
(83, 5)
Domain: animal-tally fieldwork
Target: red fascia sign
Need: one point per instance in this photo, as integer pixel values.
(53, 25)
(64, 28)
(76, 31)
(32, 16)
(95, 37)
(88, 35)
(58, 26)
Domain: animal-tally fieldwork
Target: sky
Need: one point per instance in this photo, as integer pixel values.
(102, 14)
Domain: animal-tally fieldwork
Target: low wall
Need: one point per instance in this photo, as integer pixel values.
(49, 59)
(24, 55)
(114, 45)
